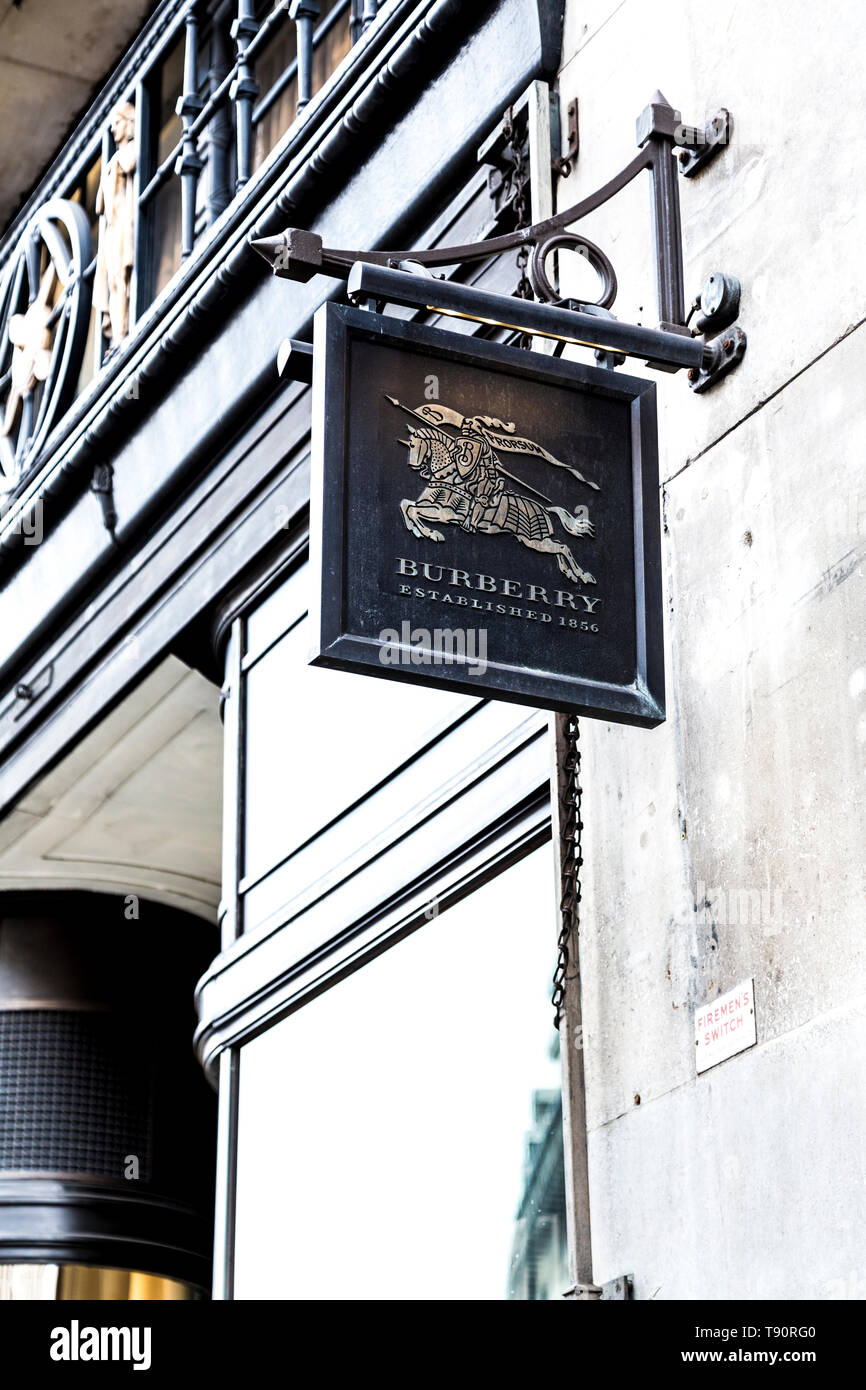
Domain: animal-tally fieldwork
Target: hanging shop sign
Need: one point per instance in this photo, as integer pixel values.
(485, 519)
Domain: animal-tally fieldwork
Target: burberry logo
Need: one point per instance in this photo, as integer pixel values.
(538, 594)
(466, 485)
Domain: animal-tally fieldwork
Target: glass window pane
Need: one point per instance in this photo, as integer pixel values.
(331, 48)
(400, 1136)
(278, 612)
(164, 211)
(169, 123)
(279, 54)
(317, 740)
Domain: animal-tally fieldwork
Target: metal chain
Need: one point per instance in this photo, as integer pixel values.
(570, 795)
(519, 181)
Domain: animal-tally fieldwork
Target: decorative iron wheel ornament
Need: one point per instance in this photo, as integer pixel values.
(45, 296)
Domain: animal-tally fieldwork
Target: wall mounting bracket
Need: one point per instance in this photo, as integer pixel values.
(102, 485)
(726, 352)
(701, 144)
(401, 276)
(614, 1291)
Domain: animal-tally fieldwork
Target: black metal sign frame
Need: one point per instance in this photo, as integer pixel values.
(350, 526)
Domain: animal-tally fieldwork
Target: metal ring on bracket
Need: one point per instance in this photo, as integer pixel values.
(594, 254)
(414, 268)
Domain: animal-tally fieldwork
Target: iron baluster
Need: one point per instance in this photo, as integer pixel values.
(244, 90)
(189, 164)
(214, 121)
(363, 14)
(305, 13)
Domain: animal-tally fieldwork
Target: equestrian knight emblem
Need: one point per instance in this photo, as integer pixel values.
(466, 485)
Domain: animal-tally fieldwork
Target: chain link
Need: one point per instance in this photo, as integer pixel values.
(519, 183)
(570, 795)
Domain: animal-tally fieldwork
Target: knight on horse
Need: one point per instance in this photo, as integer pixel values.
(466, 485)
(478, 470)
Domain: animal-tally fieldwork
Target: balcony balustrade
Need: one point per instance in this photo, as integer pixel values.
(212, 88)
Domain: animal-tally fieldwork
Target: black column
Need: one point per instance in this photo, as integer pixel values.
(107, 1126)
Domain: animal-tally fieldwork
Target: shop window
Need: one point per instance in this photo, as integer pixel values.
(400, 1136)
(344, 732)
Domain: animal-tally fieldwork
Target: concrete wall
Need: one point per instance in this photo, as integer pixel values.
(729, 843)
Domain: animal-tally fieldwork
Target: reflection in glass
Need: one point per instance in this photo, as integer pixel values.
(166, 210)
(383, 1127)
(276, 72)
(75, 1282)
(539, 1253)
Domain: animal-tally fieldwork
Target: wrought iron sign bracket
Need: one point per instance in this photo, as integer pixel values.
(708, 352)
(701, 144)
(566, 161)
(102, 486)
